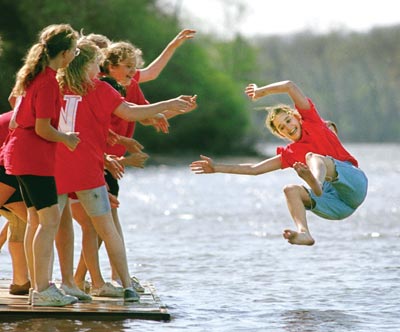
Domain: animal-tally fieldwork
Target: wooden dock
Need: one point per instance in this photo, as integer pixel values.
(150, 307)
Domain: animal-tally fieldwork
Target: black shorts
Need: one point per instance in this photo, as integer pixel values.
(38, 191)
(112, 183)
(11, 181)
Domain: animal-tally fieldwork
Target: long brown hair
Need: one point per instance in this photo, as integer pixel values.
(52, 40)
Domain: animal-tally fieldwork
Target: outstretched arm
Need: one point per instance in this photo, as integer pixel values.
(132, 112)
(206, 165)
(154, 69)
(299, 99)
(193, 102)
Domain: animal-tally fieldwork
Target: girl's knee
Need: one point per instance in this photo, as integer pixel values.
(292, 189)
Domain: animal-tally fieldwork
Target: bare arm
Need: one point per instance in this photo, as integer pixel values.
(206, 165)
(171, 114)
(132, 112)
(154, 69)
(45, 130)
(299, 99)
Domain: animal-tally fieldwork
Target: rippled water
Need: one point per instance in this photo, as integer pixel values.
(212, 246)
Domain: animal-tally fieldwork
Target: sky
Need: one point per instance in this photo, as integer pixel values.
(226, 18)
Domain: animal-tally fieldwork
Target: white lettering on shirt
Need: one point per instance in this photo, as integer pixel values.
(68, 115)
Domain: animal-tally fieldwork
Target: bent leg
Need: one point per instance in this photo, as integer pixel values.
(317, 170)
(297, 199)
(16, 247)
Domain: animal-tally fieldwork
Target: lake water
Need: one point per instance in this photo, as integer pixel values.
(212, 246)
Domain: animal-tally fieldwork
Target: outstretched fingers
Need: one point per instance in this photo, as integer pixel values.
(203, 166)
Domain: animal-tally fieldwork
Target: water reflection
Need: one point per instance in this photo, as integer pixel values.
(318, 321)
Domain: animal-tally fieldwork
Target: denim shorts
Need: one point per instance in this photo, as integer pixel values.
(95, 201)
(341, 197)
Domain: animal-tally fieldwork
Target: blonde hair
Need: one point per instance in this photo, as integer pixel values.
(118, 52)
(332, 126)
(52, 40)
(75, 77)
(272, 114)
(100, 40)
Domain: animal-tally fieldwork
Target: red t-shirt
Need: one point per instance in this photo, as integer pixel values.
(89, 115)
(134, 95)
(316, 137)
(4, 123)
(4, 132)
(26, 153)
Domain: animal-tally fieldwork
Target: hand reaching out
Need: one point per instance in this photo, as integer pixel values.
(251, 91)
(203, 166)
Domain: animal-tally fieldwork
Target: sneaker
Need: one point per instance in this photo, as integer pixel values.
(52, 297)
(20, 289)
(130, 295)
(136, 285)
(82, 296)
(84, 286)
(108, 290)
(134, 282)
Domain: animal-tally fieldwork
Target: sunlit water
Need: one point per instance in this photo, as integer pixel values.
(212, 246)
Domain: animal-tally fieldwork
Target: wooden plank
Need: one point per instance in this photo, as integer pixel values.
(100, 308)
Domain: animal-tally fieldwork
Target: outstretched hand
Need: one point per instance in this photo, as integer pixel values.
(251, 91)
(182, 37)
(203, 166)
(159, 122)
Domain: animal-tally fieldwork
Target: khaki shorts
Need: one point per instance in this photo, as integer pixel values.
(16, 227)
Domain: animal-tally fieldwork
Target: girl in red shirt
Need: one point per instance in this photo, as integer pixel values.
(336, 185)
(88, 104)
(30, 151)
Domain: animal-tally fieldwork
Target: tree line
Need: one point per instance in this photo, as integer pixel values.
(352, 77)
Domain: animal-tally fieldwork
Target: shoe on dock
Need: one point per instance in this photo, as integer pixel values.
(20, 289)
(130, 295)
(135, 284)
(52, 297)
(80, 295)
(107, 290)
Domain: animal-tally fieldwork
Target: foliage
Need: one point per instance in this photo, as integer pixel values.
(221, 121)
(352, 77)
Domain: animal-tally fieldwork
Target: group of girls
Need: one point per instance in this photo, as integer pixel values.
(63, 127)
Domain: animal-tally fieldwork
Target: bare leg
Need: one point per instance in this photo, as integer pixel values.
(20, 269)
(43, 242)
(114, 246)
(16, 248)
(114, 212)
(65, 247)
(89, 259)
(297, 199)
(317, 170)
(3, 234)
(31, 228)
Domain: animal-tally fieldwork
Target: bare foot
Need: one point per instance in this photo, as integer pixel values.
(300, 238)
(304, 172)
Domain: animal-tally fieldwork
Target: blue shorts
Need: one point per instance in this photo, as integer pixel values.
(95, 201)
(341, 197)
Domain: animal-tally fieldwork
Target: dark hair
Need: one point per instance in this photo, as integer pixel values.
(113, 82)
